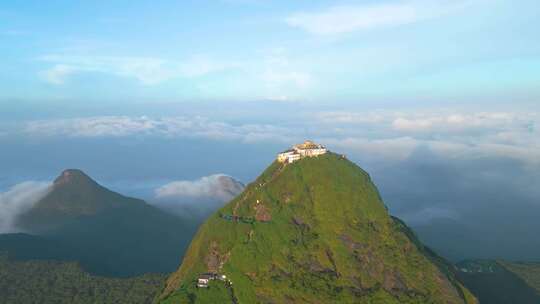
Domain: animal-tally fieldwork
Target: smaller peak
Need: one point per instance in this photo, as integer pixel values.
(70, 175)
(73, 171)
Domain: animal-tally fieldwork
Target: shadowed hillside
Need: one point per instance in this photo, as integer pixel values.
(501, 282)
(108, 233)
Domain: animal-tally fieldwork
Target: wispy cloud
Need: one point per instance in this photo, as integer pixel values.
(146, 70)
(277, 79)
(58, 74)
(282, 76)
(17, 200)
(350, 18)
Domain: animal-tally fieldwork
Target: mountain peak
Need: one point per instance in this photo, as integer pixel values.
(72, 176)
(74, 195)
(311, 230)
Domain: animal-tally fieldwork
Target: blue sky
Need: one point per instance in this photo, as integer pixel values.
(360, 52)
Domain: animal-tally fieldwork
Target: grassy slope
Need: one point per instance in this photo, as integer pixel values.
(330, 239)
(59, 282)
(444, 266)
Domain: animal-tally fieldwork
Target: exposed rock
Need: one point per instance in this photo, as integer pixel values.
(350, 243)
(393, 282)
(262, 213)
(214, 260)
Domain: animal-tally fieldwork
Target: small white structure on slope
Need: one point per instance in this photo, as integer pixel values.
(307, 149)
(204, 279)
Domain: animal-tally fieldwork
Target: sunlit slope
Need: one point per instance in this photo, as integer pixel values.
(315, 231)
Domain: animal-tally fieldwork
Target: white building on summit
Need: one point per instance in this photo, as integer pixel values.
(307, 149)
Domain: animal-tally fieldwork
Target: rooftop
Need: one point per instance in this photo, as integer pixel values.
(306, 149)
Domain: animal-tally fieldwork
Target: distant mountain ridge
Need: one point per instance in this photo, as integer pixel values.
(73, 195)
(108, 233)
(501, 282)
(229, 187)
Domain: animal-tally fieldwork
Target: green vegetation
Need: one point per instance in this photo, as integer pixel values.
(61, 282)
(320, 234)
(500, 282)
(217, 292)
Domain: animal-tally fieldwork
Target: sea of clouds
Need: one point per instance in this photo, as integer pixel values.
(470, 176)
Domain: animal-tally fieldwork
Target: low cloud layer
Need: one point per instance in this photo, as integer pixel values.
(17, 200)
(466, 180)
(465, 207)
(386, 134)
(120, 126)
(198, 196)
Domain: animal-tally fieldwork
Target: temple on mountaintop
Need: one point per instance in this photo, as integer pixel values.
(307, 149)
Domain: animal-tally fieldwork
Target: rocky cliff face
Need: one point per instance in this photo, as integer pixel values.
(315, 231)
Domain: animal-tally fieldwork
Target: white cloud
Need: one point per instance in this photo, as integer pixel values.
(146, 70)
(350, 18)
(197, 198)
(218, 186)
(117, 126)
(58, 74)
(412, 125)
(456, 122)
(282, 77)
(398, 148)
(17, 200)
(333, 117)
(92, 126)
(377, 134)
(454, 134)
